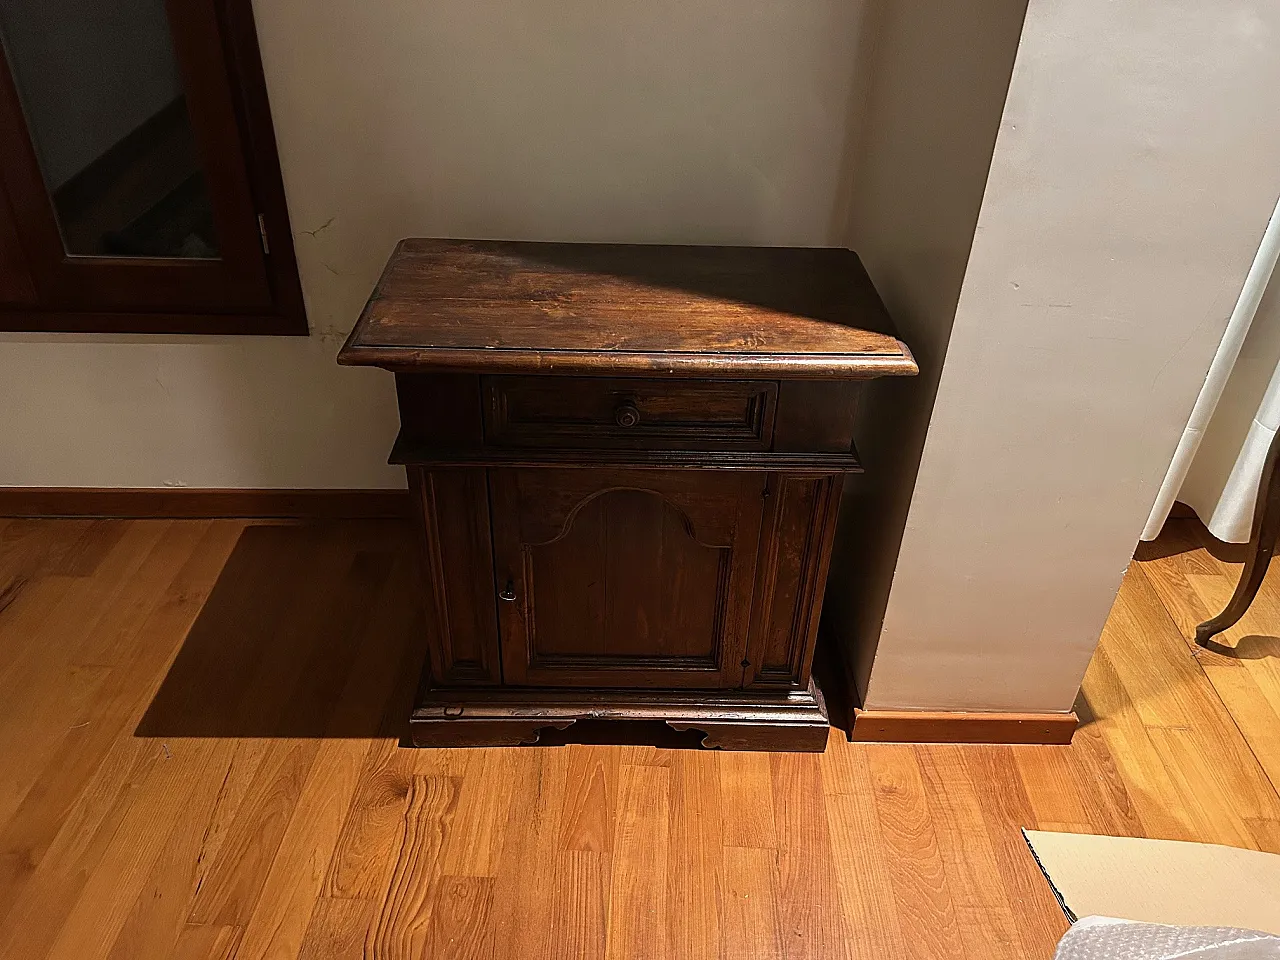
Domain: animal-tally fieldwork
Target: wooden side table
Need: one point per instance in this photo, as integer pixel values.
(1262, 544)
(627, 462)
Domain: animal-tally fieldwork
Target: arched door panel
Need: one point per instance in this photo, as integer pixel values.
(624, 578)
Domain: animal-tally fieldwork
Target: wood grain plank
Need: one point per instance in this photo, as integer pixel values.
(1147, 780)
(484, 805)
(749, 922)
(1253, 700)
(203, 942)
(337, 929)
(111, 891)
(281, 912)
(530, 847)
(920, 887)
(86, 598)
(1108, 800)
(459, 928)
(1246, 675)
(298, 870)
(42, 898)
(639, 901)
(232, 877)
(579, 920)
(158, 918)
(1153, 648)
(810, 922)
(38, 787)
(591, 798)
(364, 855)
(1213, 802)
(698, 818)
(746, 788)
(400, 928)
(1005, 809)
(863, 871)
(1265, 833)
(984, 908)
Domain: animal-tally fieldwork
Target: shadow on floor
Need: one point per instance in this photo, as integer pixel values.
(1084, 710)
(1184, 534)
(314, 630)
(1254, 646)
(640, 733)
(311, 630)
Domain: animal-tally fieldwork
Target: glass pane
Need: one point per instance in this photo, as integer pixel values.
(104, 105)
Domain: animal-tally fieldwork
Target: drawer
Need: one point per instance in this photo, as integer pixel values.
(661, 414)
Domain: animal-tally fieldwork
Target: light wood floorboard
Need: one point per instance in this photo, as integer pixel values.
(199, 758)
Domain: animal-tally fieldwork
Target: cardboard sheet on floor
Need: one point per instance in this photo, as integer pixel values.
(1160, 881)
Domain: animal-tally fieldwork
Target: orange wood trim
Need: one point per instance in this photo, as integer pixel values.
(920, 726)
(194, 503)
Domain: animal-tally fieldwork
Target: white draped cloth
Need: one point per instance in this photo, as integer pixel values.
(1219, 460)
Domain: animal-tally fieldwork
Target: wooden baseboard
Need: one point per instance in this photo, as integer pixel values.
(912, 726)
(192, 503)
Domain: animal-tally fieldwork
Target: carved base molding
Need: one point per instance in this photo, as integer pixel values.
(729, 719)
(920, 726)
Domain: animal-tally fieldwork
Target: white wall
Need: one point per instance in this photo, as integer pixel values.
(671, 120)
(89, 71)
(1135, 169)
(937, 80)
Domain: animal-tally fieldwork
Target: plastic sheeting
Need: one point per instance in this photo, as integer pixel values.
(1102, 938)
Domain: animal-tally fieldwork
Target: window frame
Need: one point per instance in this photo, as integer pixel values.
(252, 288)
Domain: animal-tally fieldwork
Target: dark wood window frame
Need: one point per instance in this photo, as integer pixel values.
(252, 288)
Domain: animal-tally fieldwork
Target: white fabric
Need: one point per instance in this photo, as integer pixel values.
(1222, 484)
(1218, 461)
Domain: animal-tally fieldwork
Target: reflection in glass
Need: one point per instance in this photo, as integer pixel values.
(104, 105)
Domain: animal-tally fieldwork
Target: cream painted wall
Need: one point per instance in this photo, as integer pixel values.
(936, 86)
(694, 121)
(1133, 174)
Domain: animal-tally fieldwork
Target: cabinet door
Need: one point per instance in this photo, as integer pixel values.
(624, 578)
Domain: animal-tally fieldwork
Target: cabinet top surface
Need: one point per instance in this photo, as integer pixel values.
(612, 309)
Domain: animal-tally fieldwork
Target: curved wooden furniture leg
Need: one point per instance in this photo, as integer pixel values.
(1262, 544)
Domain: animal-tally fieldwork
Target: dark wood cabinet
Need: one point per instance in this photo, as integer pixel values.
(628, 463)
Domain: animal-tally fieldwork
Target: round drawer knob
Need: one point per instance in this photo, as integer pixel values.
(626, 415)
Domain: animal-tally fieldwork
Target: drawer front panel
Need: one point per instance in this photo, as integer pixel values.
(584, 412)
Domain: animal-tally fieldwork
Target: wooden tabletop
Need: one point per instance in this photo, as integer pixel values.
(614, 309)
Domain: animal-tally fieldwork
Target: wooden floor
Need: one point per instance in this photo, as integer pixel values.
(198, 758)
